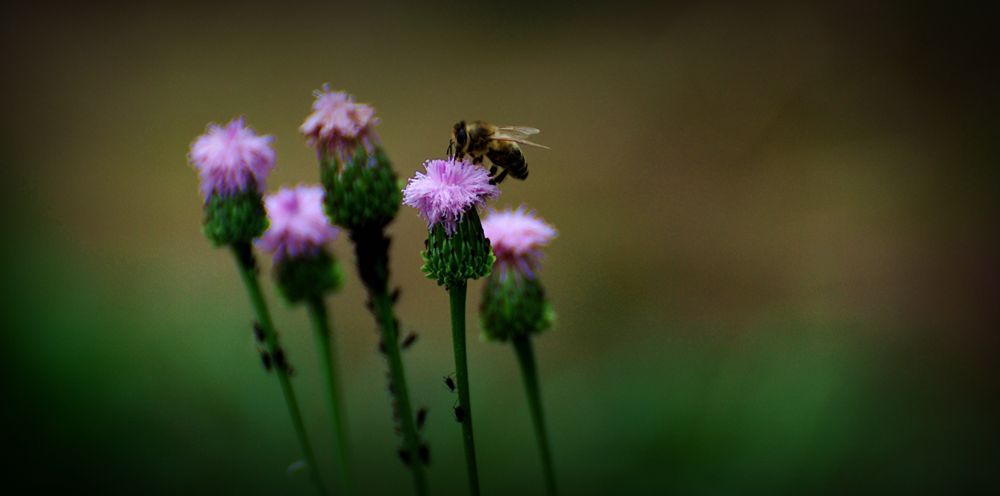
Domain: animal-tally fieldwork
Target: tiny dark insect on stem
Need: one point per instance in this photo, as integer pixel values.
(449, 382)
(409, 340)
(421, 417)
(459, 413)
(425, 454)
(258, 332)
(281, 362)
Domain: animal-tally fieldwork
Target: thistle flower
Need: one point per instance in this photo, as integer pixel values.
(296, 236)
(338, 125)
(298, 225)
(448, 190)
(515, 306)
(517, 237)
(363, 196)
(231, 158)
(233, 163)
(447, 196)
(362, 193)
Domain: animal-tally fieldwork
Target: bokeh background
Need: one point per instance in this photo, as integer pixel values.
(775, 271)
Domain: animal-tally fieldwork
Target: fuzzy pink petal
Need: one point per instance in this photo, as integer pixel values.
(231, 158)
(517, 237)
(447, 190)
(298, 225)
(338, 124)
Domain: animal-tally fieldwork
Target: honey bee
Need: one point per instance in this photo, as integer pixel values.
(480, 139)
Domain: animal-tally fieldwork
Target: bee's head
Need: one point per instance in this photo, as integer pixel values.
(459, 136)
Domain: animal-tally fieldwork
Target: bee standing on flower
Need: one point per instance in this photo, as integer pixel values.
(480, 139)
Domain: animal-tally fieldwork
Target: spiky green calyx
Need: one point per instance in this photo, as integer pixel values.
(361, 191)
(512, 306)
(464, 255)
(235, 218)
(303, 278)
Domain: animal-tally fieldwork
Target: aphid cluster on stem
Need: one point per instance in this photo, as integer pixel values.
(265, 357)
(424, 451)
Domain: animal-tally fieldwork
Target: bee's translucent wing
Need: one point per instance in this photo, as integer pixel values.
(522, 130)
(517, 134)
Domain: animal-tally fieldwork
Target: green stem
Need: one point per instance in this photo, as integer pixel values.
(328, 360)
(390, 339)
(457, 295)
(526, 357)
(248, 271)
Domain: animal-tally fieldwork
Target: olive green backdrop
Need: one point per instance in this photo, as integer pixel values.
(775, 270)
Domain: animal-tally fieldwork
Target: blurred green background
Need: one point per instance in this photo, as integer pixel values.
(775, 270)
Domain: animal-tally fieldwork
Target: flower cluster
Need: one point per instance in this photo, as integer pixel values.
(231, 159)
(447, 191)
(338, 124)
(298, 226)
(517, 237)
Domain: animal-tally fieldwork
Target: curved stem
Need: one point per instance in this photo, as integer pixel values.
(328, 360)
(526, 357)
(390, 339)
(248, 271)
(457, 296)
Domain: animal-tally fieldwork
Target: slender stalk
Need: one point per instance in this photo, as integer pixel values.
(457, 296)
(390, 338)
(328, 360)
(526, 357)
(248, 271)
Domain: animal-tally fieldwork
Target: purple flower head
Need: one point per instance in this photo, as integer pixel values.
(517, 237)
(337, 124)
(231, 158)
(448, 190)
(299, 226)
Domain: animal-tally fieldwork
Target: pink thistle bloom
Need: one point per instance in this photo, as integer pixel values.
(231, 158)
(298, 225)
(517, 237)
(338, 124)
(448, 190)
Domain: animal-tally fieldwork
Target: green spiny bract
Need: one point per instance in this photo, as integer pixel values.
(236, 218)
(464, 255)
(307, 277)
(512, 306)
(362, 192)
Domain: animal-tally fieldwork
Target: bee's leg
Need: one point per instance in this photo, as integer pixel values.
(451, 148)
(499, 179)
(478, 160)
(493, 171)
